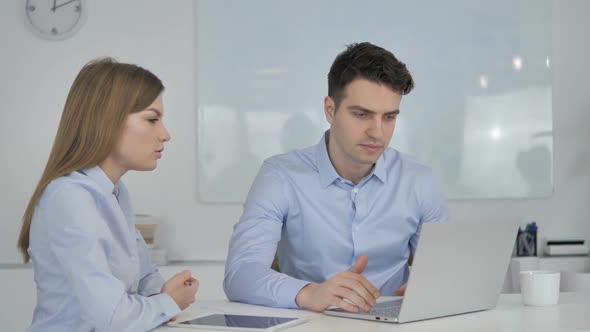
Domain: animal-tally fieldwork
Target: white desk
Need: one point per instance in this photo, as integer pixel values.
(571, 314)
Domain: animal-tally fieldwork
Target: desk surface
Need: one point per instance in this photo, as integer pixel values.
(571, 314)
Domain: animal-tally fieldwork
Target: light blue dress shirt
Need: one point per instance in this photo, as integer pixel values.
(92, 267)
(325, 222)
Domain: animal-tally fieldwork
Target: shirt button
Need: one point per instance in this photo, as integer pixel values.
(355, 190)
(356, 228)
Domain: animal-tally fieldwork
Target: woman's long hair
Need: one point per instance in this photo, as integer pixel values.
(101, 97)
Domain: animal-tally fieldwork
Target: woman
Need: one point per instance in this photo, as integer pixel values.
(92, 267)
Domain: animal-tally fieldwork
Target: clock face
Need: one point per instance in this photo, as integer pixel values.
(55, 19)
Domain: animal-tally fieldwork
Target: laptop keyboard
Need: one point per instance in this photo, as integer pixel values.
(387, 309)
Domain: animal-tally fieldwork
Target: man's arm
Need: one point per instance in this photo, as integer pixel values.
(433, 206)
(248, 274)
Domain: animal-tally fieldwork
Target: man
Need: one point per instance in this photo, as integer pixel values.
(348, 205)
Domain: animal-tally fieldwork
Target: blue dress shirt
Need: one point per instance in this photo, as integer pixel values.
(322, 223)
(92, 267)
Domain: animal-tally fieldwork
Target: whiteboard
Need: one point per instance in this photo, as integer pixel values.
(480, 114)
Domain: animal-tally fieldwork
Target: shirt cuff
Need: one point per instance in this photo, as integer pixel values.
(151, 285)
(169, 307)
(291, 288)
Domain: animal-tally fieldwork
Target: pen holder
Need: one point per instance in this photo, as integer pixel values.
(526, 244)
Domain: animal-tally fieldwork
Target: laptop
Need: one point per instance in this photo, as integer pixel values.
(457, 268)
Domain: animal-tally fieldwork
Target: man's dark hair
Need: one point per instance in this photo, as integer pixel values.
(371, 62)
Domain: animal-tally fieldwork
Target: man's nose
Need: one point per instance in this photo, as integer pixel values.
(376, 129)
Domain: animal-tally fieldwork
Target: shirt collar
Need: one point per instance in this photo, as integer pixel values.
(379, 169)
(99, 176)
(327, 171)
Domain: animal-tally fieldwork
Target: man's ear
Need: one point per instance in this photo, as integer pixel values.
(329, 109)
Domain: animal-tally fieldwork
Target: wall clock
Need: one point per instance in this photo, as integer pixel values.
(55, 19)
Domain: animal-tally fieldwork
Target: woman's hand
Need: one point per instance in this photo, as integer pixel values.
(182, 288)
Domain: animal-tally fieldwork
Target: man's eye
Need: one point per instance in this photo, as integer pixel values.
(153, 120)
(360, 115)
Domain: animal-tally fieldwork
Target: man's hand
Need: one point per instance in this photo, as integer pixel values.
(348, 290)
(401, 291)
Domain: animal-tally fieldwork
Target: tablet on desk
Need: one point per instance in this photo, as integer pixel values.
(240, 322)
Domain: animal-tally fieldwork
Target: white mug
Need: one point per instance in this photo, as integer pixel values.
(539, 288)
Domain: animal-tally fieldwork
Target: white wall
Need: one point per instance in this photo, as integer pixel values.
(36, 74)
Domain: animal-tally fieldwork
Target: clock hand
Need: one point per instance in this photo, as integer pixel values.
(53, 8)
(63, 4)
